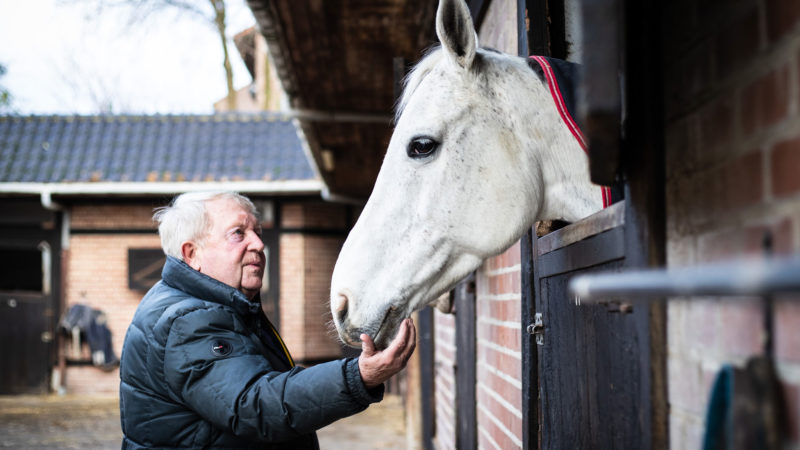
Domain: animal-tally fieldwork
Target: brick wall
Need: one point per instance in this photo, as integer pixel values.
(499, 360)
(292, 301)
(320, 339)
(732, 86)
(97, 275)
(307, 260)
(111, 216)
(444, 379)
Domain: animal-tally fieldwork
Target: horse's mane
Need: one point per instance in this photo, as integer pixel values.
(424, 67)
(429, 60)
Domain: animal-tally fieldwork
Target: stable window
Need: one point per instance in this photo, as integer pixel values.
(144, 267)
(21, 269)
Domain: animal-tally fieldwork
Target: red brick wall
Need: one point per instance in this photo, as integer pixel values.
(444, 379)
(292, 297)
(498, 359)
(732, 85)
(320, 340)
(97, 275)
(499, 344)
(307, 261)
(111, 216)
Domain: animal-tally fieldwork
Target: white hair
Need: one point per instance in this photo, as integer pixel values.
(429, 60)
(186, 218)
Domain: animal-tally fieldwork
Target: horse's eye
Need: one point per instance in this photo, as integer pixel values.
(421, 147)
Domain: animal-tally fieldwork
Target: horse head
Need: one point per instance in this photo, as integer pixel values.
(479, 153)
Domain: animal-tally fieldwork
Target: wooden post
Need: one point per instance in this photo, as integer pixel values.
(413, 399)
(419, 403)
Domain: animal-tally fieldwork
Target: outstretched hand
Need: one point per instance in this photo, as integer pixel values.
(378, 366)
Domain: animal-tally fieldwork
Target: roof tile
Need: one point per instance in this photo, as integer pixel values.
(232, 146)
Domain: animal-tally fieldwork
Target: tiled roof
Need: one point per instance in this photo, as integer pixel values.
(119, 148)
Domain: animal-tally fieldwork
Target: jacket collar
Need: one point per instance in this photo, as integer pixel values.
(179, 275)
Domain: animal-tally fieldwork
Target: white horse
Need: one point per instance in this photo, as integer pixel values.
(479, 153)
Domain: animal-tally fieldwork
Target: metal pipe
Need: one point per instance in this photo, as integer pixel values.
(46, 199)
(756, 277)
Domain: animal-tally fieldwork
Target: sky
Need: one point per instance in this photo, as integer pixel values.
(62, 57)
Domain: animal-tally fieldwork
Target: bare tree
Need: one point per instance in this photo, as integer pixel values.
(212, 13)
(6, 99)
(88, 85)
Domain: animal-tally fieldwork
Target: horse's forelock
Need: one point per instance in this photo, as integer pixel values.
(425, 66)
(432, 57)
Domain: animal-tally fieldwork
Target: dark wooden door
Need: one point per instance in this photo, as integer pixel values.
(27, 335)
(28, 312)
(592, 359)
(596, 376)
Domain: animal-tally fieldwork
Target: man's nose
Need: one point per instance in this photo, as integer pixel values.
(255, 242)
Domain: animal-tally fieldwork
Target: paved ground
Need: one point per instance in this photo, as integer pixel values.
(92, 422)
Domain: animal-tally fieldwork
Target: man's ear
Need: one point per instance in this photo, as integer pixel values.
(190, 252)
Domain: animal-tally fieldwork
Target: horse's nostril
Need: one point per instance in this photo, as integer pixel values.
(341, 308)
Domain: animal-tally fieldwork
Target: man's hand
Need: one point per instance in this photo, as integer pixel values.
(378, 366)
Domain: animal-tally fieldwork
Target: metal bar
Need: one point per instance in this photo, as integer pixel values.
(757, 277)
(317, 115)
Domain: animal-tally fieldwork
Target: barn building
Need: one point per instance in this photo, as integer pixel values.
(693, 107)
(78, 195)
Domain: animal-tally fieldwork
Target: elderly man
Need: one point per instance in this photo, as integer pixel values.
(201, 364)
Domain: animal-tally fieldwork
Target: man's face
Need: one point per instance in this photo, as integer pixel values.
(232, 251)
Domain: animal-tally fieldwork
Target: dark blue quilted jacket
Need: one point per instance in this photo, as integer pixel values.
(202, 368)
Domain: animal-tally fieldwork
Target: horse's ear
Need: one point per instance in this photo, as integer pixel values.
(456, 32)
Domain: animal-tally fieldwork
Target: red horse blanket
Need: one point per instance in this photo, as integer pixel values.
(562, 79)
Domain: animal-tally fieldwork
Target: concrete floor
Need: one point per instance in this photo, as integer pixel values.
(92, 422)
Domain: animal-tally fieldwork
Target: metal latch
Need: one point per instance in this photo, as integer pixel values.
(537, 328)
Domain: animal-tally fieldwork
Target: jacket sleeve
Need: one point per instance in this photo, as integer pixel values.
(237, 390)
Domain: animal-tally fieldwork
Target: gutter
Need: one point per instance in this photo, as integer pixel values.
(47, 190)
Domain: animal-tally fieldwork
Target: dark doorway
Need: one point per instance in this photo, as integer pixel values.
(28, 310)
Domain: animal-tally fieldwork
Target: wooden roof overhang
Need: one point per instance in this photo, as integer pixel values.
(339, 61)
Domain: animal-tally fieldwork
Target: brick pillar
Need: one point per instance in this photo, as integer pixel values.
(499, 361)
(309, 246)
